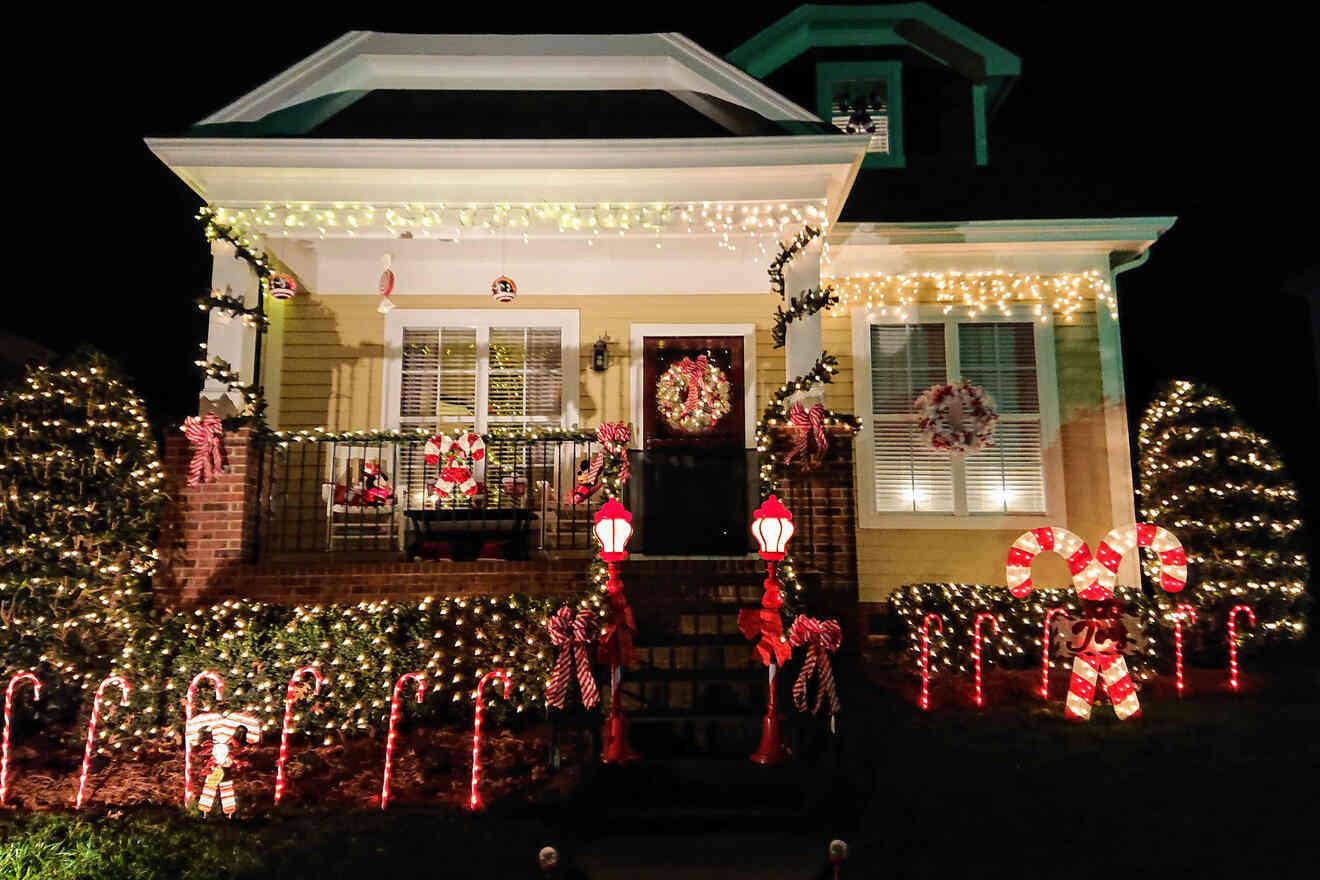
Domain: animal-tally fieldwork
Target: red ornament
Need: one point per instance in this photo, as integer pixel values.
(219, 683)
(1232, 641)
(420, 678)
(124, 690)
(503, 289)
(386, 288)
(474, 800)
(976, 650)
(282, 287)
(17, 679)
(289, 696)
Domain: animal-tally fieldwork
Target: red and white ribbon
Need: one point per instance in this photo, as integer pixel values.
(811, 433)
(696, 373)
(616, 636)
(822, 638)
(223, 727)
(572, 634)
(208, 453)
(765, 627)
(614, 436)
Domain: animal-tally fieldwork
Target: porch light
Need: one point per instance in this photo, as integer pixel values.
(772, 526)
(613, 528)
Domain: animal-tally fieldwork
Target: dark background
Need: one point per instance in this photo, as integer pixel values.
(1121, 109)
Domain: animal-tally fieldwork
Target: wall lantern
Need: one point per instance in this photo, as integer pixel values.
(600, 356)
(772, 526)
(613, 528)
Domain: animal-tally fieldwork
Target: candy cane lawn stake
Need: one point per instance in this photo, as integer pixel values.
(475, 800)
(187, 717)
(1045, 652)
(14, 682)
(1182, 614)
(976, 650)
(124, 690)
(1100, 634)
(925, 655)
(1232, 641)
(289, 696)
(420, 678)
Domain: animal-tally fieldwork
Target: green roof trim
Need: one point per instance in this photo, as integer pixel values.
(289, 122)
(918, 25)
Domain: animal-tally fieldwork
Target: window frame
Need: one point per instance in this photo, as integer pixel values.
(830, 72)
(567, 321)
(1047, 386)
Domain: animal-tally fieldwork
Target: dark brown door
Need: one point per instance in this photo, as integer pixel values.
(694, 476)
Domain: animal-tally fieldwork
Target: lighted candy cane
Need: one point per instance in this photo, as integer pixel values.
(1120, 541)
(14, 682)
(1073, 549)
(420, 678)
(289, 697)
(475, 800)
(1182, 614)
(1232, 643)
(1045, 652)
(125, 689)
(925, 655)
(976, 650)
(187, 716)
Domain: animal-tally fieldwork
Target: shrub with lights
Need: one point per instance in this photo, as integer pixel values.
(1224, 490)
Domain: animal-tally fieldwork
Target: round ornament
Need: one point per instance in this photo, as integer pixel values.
(956, 417)
(386, 288)
(282, 287)
(693, 395)
(503, 289)
(456, 457)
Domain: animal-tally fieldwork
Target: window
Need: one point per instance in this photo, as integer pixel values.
(865, 97)
(482, 368)
(909, 481)
(862, 107)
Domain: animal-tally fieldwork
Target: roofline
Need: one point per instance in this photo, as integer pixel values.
(1126, 234)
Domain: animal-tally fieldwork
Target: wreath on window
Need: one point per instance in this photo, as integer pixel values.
(457, 458)
(956, 417)
(693, 395)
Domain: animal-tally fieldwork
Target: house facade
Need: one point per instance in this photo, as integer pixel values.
(523, 238)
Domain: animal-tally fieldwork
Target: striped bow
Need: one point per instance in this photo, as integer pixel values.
(208, 458)
(812, 433)
(572, 635)
(822, 638)
(695, 372)
(224, 727)
(616, 636)
(615, 437)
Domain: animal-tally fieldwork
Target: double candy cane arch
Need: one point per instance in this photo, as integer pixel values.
(1095, 577)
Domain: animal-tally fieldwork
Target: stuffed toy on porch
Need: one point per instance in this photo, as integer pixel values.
(224, 729)
(1099, 636)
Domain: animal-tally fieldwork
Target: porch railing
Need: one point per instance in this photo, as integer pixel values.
(321, 495)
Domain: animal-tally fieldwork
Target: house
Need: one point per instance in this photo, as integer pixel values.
(528, 236)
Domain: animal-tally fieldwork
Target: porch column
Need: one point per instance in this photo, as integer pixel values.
(229, 338)
(804, 338)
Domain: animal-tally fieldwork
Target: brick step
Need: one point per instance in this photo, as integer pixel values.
(699, 657)
(722, 692)
(647, 673)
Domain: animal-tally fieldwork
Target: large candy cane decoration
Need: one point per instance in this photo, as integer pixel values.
(1182, 614)
(219, 683)
(1121, 541)
(125, 689)
(1030, 544)
(420, 678)
(1232, 642)
(925, 655)
(976, 650)
(1045, 651)
(289, 696)
(17, 679)
(475, 800)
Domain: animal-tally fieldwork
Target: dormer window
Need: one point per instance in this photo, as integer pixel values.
(862, 107)
(865, 97)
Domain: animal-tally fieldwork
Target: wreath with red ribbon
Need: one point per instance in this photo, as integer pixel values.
(693, 395)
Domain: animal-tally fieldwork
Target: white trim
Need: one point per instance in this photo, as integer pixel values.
(567, 320)
(1047, 383)
(1122, 498)
(1035, 233)
(638, 332)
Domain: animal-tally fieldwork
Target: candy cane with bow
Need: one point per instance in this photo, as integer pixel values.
(572, 635)
(822, 638)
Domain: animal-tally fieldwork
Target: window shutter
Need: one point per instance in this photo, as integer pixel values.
(1008, 477)
(909, 477)
(526, 379)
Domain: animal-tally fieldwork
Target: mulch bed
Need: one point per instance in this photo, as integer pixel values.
(431, 767)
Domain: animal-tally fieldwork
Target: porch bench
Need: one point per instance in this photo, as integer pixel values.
(469, 528)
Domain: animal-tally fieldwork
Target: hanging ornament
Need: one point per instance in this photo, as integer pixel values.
(503, 289)
(386, 287)
(282, 287)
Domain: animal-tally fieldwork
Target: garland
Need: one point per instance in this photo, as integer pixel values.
(221, 302)
(253, 412)
(809, 303)
(787, 253)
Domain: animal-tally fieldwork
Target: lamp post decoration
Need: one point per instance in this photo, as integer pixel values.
(772, 526)
(612, 528)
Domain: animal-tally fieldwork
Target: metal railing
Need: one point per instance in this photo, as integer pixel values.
(323, 495)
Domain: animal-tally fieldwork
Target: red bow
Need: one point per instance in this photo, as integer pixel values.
(614, 436)
(765, 624)
(616, 637)
(812, 425)
(572, 634)
(208, 458)
(695, 372)
(822, 638)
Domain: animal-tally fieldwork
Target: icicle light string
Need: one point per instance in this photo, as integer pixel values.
(988, 292)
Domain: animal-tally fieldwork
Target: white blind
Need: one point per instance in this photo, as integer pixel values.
(909, 476)
(1009, 477)
(439, 377)
(526, 376)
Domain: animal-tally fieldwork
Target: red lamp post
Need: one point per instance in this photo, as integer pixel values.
(772, 526)
(613, 528)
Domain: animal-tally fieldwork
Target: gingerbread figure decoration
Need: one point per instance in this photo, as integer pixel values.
(224, 740)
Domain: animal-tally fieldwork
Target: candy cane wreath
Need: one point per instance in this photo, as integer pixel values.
(1094, 578)
(456, 456)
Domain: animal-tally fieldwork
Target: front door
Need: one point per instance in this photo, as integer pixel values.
(694, 464)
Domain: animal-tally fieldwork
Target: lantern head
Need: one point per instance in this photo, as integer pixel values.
(613, 528)
(772, 526)
(282, 287)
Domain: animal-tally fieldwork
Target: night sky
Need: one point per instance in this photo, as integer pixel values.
(1132, 109)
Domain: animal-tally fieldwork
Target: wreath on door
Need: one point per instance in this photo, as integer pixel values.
(693, 395)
